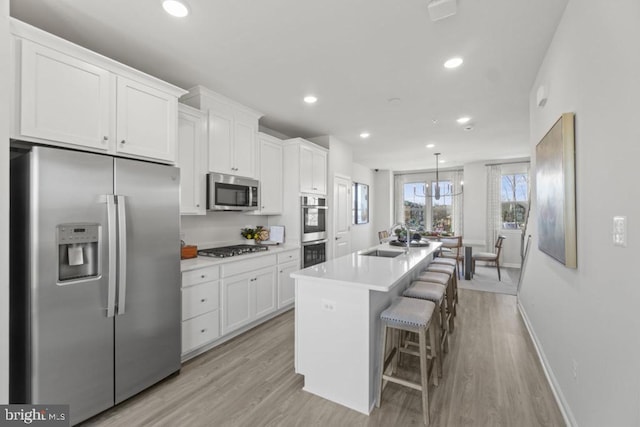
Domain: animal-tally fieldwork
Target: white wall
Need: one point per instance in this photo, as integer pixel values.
(475, 203)
(4, 201)
(588, 317)
(382, 201)
(365, 235)
(217, 227)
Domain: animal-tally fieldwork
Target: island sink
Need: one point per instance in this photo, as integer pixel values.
(381, 253)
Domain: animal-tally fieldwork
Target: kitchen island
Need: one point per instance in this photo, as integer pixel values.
(337, 320)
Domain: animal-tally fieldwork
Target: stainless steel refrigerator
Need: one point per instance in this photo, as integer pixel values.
(95, 278)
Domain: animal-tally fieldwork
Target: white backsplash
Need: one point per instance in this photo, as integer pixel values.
(217, 228)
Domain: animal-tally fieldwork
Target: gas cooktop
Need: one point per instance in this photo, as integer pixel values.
(227, 251)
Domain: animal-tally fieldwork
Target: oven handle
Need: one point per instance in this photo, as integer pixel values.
(315, 242)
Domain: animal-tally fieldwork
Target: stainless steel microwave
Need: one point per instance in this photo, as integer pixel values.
(232, 193)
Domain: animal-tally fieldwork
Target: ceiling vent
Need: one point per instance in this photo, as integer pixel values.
(440, 9)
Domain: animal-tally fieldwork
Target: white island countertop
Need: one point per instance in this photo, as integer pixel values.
(366, 271)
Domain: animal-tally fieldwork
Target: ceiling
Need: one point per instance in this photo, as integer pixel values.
(353, 55)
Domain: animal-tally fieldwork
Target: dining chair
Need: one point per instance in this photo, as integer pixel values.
(489, 256)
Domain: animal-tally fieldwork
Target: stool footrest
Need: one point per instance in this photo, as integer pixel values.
(400, 381)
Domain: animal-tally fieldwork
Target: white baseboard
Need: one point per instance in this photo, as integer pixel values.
(548, 372)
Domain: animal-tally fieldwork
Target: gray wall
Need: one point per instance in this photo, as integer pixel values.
(585, 320)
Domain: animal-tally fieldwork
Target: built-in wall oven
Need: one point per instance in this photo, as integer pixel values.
(314, 229)
(314, 253)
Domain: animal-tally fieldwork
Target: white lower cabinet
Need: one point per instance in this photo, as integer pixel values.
(247, 297)
(288, 262)
(218, 300)
(200, 307)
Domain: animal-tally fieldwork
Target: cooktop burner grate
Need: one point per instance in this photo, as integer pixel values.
(228, 251)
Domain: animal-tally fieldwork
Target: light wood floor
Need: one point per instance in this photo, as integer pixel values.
(492, 377)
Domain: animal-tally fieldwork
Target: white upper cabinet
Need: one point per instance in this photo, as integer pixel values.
(147, 119)
(63, 94)
(192, 140)
(270, 174)
(232, 132)
(63, 99)
(313, 169)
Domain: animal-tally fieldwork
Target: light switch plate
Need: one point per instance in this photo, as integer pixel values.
(620, 231)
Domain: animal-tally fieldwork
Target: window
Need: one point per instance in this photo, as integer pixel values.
(424, 213)
(360, 203)
(514, 190)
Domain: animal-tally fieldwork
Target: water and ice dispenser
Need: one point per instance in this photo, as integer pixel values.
(78, 251)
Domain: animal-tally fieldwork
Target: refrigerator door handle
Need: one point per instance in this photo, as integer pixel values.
(122, 253)
(111, 221)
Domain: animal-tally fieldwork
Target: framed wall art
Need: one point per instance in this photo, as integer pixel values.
(556, 192)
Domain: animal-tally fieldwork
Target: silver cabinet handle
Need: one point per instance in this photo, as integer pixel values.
(122, 253)
(105, 138)
(198, 205)
(202, 331)
(203, 276)
(123, 142)
(203, 300)
(281, 271)
(111, 289)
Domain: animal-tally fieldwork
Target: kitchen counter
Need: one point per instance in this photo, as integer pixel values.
(205, 261)
(337, 320)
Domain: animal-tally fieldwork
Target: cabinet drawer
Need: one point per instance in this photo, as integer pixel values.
(200, 275)
(199, 299)
(233, 268)
(200, 330)
(288, 256)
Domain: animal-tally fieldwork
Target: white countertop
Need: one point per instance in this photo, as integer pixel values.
(204, 261)
(371, 272)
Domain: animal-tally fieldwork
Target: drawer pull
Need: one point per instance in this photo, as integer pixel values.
(203, 300)
(203, 331)
(281, 271)
(203, 276)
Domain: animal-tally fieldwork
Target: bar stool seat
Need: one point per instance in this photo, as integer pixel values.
(445, 280)
(411, 315)
(435, 293)
(446, 261)
(451, 271)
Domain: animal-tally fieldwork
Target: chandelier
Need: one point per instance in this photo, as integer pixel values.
(436, 192)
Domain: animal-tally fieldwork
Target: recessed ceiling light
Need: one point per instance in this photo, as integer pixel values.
(453, 62)
(310, 99)
(176, 8)
(431, 145)
(365, 135)
(463, 120)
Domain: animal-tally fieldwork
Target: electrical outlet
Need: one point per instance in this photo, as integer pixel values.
(620, 231)
(328, 305)
(574, 369)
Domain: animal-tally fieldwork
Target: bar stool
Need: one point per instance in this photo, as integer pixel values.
(451, 271)
(410, 315)
(435, 293)
(444, 280)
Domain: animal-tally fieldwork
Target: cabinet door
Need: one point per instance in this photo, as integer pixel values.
(264, 288)
(220, 142)
(63, 99)
(191, 146)
(306, 170)
(270, 178)
(244, 149)
(286, 285)
(236, 302)
(319, 172)
(147, 121)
